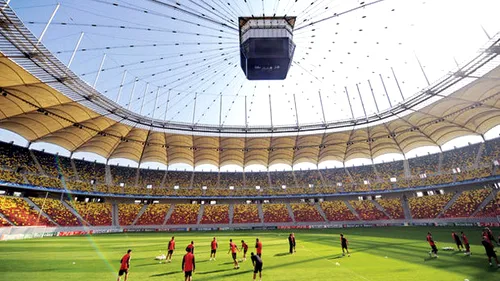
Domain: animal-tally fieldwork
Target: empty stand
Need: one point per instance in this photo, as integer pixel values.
(276, 213)
(428, 207)
(367, 210)
(305, 212)
(127, 213)
(215, 214)
(153, 215)
(96, 214)
(184, 214)
(393, 207)
(337, 211)
(19, 212)
(57, 211)
(246, 213)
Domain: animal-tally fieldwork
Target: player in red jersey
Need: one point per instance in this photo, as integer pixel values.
(490, 250)
(244, 246)
(171, 248)
(258, 246)
(233, 249)
(188, 265)
(213, 248)
(124, 266)
(466, 243)
(432, 244)
(191, 246)
(487, 231)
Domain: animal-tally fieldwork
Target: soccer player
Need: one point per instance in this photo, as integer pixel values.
(490, 252)
(293, 238)
(258, 246)
(487, 231)
(213, 246)
(343, 244)
(125, 265)
(290, 243)
(466, 243)
(171, 248)
(244, 246)
(457, 240)
(191, 246)
(432, 244)
(233, 249)
(188, 265)
(257, 266)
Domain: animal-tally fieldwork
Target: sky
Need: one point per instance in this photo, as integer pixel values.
(188, 65)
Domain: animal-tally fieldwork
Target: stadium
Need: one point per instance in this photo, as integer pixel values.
(125, 123)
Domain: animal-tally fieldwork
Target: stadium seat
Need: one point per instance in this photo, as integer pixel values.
(96, 214)
(428, 207)
(275, 213)
(215, 214)
(57, 211)
(308, 177)
(393, 207)
(19, 212)
(4, 223)
(467, 203)
(491, 210)
(125, 175)
(208, 179)
(305, 212)
(367, 210)
(337, 211)
(127, 213)
(246, 213)
(228, 179)
(154, 215)
(184, 214)
(150, 177)
(181, 179)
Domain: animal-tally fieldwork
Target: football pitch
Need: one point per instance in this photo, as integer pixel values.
(377, 254)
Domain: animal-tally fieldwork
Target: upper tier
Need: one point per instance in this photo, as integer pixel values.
(20, 165)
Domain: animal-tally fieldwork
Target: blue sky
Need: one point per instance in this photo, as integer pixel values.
(190, 59)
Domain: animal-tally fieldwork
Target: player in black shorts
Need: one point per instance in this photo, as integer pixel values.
(124, 266)
(490, 251)
(257, 265)
(457, 240)
(343, 243)
(244, 246)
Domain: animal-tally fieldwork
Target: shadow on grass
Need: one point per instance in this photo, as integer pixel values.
(148, 264)
(282, 254)
(214, 271)
(165, 274)
(430, 259)
(336, 257)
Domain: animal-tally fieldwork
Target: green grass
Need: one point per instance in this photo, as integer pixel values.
(396, 253)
